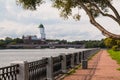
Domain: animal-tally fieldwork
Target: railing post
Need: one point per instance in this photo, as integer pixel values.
(78, 61)
(82, 56)
(64, 64)
(84, 62)
(50, 69)
(23, 70)
(72, 60)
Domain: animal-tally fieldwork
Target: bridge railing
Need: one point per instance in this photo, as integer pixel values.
(57, 66)
(45, 69)
(9, 72)
(75, 58)
(68, 61)
(37, 70)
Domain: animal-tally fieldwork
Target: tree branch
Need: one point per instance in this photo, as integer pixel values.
(105, 14)
(113, 9)
(97, 25)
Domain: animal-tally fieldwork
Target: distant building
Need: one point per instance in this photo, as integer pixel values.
(33, 39)
(42, 32)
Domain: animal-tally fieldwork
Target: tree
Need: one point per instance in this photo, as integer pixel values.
(109, 42)
(18, 40)
(93, 8)
(118, 42)
(2, 44)
(8, 40)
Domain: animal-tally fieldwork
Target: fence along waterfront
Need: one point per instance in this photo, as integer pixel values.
(37, 69)
(9, 72)
(45, 69)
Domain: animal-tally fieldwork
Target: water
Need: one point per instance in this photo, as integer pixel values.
(9, 55)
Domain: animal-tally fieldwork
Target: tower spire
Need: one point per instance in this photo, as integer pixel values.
(42, 31)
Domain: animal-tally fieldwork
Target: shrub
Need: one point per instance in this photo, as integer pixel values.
(115, 48)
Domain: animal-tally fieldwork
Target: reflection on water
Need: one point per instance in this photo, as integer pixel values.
(10, 55)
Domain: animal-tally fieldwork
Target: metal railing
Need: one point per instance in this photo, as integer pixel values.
(68, 61)
(37, 69)
(75, 58)
(88, 53)
(9, 72)
(47, 68)
(57, 66)
(80, 57)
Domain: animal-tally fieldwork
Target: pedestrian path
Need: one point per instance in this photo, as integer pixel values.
(100, 67)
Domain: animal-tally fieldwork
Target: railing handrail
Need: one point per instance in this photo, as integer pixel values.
(17, 65)
(9, 72)
(42, 66)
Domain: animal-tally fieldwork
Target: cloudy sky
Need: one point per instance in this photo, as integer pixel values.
(15, 22)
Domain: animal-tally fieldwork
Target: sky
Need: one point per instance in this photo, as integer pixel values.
(16, 22)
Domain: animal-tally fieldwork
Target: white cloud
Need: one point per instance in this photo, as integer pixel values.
(76, 31)
(44, 12)
(13, 29)
(17, 22)
(110, 25)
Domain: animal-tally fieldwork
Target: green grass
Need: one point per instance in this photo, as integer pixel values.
(115, 55)
(71, 72)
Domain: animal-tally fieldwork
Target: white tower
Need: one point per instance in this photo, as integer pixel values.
(42, 31)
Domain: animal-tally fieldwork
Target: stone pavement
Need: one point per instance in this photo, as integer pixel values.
(100, 67)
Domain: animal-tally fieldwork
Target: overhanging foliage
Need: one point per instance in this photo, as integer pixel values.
(93, 8)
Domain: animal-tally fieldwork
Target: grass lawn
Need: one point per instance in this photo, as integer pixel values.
(115, 55)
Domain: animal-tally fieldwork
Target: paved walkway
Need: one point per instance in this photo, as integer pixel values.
(101, 67)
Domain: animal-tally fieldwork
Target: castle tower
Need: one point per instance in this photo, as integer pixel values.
(42, 31)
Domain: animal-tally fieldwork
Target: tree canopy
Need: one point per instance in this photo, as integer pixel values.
(112, 43)
(93, 9)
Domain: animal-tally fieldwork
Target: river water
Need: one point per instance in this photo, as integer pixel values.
(9, 55)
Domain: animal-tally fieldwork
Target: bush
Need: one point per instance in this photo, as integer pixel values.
(115, 48)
